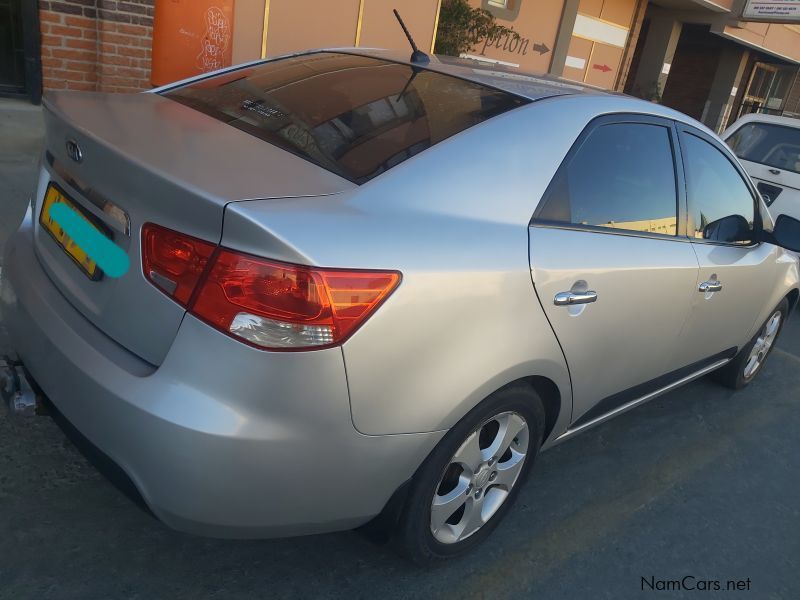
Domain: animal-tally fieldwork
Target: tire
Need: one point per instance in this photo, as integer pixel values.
(441, 476)
(740, 372)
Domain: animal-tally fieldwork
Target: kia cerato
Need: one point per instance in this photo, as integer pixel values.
(364, 291)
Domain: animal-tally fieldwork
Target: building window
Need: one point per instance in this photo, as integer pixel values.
(767, 89)
(505, 10)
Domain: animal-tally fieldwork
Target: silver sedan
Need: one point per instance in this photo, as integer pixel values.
(343, 288)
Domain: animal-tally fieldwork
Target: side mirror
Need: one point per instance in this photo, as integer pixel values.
(733, 228)
(787, 233)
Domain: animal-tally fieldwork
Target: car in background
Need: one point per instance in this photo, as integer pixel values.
(365, 290)
(769, 149)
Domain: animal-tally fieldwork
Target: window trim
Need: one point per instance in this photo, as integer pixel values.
(725, 150)
(681, 234)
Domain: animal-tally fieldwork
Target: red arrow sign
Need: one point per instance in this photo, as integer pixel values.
(603, 68)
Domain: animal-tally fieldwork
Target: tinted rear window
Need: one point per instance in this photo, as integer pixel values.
(773, 145)
(353, 115)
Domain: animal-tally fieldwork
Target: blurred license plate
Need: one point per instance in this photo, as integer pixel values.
(86, 264)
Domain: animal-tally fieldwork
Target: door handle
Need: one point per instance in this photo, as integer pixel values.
(570, 298)
(710, 286)
(775, 171)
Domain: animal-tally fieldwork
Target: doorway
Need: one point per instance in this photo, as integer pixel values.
(20, 63)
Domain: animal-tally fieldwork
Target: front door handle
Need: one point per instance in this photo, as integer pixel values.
(775, 171)
(570, 298)
(710, 286)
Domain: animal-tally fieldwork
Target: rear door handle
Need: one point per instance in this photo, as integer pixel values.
(775, 171)
(710, 286)
(570, 298)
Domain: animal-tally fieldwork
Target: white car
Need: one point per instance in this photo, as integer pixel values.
(769, 149)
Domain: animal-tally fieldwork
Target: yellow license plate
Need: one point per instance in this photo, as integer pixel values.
(51, 197)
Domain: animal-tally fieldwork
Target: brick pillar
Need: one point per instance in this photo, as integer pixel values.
(96, 45)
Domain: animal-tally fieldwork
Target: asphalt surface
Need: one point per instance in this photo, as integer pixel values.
(702, 482)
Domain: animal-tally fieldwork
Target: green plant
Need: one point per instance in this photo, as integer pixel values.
(461, 27)
(652, 92)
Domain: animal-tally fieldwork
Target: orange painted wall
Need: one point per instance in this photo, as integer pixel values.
(248, 26)
(774, 37)
(601, 61)
(191, 37)
(380, 29)
(537, 23)
(303, 24)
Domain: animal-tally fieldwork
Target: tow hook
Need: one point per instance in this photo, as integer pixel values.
(16, 390)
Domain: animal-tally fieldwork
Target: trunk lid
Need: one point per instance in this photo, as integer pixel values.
(146, 158)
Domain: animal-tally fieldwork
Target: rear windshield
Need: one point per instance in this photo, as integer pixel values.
(773, 145)
(353, 115)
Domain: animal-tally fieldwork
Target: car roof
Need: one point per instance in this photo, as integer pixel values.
(761, 118)
(534, 86)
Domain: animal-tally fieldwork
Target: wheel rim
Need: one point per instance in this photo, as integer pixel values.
(479, 477)
(766, 338)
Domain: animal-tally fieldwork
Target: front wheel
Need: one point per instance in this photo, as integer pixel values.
(748, 363)
(471, 479)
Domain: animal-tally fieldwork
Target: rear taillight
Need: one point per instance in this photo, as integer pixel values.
(265, 303)
(288, 307)
(174, 262)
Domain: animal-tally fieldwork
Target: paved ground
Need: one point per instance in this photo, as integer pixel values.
(702, 482)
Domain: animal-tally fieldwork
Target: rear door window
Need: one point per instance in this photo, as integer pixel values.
(622, 177)
(354, 115)
(715, 191)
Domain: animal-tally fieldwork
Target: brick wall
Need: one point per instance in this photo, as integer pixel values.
(96, 45)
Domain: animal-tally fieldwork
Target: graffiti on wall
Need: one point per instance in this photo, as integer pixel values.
(215, 41)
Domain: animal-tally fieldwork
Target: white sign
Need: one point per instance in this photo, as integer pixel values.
(575, 62)
(784, 11)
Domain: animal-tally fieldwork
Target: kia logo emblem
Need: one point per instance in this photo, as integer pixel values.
(74, 151)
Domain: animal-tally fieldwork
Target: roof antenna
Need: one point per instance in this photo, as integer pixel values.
(417, 56)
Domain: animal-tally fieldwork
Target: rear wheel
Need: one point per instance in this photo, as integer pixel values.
(748, 363)
(469, 482)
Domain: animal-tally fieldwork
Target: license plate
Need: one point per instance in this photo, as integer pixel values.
(75, 252)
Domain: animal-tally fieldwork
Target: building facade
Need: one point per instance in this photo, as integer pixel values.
(710, 60)
(714, 60)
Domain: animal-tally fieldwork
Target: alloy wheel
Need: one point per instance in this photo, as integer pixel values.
(479, 477)
(766, 338)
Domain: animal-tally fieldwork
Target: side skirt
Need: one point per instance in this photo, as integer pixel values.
(624, 401)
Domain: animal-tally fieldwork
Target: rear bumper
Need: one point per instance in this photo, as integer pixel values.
(221, 439)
